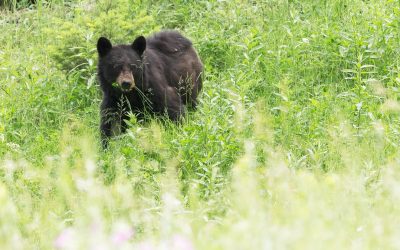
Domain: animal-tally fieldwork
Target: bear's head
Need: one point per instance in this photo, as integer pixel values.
(121, 64)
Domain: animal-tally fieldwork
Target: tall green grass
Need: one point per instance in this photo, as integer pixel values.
(294, 144)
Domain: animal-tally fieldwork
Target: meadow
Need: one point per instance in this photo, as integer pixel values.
(294, 145)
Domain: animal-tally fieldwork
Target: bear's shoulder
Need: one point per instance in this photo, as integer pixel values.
(168, 42)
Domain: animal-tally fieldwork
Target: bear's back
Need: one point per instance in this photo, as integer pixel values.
(168, 42)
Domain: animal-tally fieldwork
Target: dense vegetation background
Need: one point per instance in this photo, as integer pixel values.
(295, 144)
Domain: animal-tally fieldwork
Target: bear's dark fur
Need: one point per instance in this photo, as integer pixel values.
(159, 74)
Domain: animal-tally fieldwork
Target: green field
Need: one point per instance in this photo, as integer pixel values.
(295, 144)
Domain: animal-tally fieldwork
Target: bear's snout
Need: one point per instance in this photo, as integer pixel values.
(126, 85)
(126, 81)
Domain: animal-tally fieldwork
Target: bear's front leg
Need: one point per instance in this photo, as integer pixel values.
(172, 103)
(107, 112)
(105, 131)
(175, 112)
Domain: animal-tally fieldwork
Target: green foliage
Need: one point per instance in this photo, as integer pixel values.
(79, 30)
(295, 143)
(15, 4)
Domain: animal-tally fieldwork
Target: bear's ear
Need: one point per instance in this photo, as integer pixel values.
(139, 45)
(103, 46)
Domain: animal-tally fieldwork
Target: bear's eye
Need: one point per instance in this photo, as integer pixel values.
(118, 67)
(133, 66)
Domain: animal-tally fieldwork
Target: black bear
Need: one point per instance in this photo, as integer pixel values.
(160, 74)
